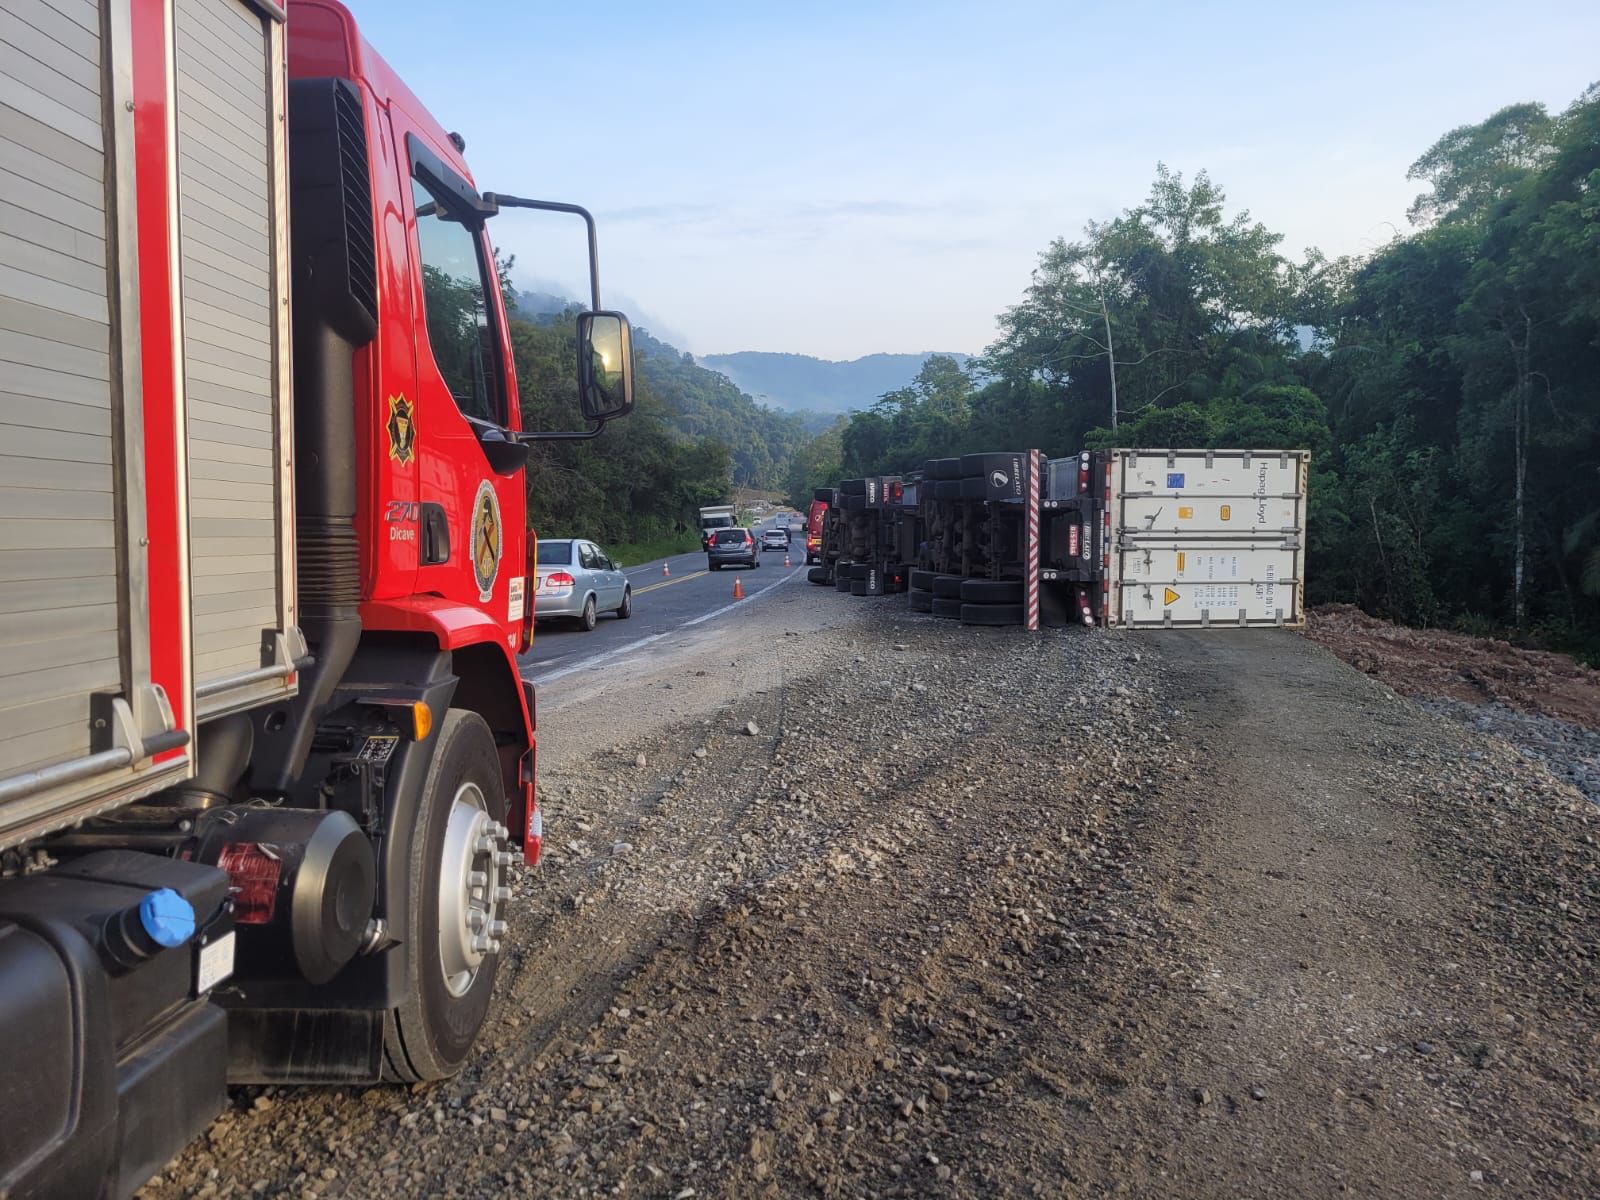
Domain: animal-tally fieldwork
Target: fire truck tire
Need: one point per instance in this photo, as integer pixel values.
(921, 601)
(626, 609)
(852, 487)
(449, 980)
(922, 581)
(942, 468)
(992, 591)
(858, 587)
(947, 587)
(590, 616)
(991, 614)
(943, 606)
(818, 575)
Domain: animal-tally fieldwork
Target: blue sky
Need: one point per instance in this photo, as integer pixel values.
(837, 179)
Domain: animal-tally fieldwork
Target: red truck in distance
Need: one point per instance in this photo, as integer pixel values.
(266, 756)
(815, 516)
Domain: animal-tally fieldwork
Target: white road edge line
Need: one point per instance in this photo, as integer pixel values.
(618, 651)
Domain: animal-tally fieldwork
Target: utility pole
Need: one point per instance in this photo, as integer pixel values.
(1111, 359)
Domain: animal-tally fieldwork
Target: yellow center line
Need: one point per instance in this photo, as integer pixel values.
(667, 583)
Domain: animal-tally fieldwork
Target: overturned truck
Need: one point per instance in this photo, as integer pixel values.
(1124, 537)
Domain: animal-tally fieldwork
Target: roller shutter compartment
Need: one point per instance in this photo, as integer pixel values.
(58, 522)
(229, 183)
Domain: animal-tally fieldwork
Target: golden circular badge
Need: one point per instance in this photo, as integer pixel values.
(487, 539)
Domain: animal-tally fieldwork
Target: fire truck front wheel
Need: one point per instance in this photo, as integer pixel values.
(457, 887)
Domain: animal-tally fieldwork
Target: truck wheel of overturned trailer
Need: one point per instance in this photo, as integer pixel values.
(947, 587)
(991, 614)
(818, 575)
(457, 865)
(991, 591)
(943, 606)
(921, 601)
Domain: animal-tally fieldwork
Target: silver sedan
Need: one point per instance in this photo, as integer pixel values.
(579, 580)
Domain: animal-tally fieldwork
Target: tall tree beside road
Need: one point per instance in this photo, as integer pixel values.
(1131, 314)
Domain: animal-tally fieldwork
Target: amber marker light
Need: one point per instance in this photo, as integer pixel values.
(421, 720)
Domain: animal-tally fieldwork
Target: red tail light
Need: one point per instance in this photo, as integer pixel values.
(559, 579)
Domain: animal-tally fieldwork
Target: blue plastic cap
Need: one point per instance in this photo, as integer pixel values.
(167, 917)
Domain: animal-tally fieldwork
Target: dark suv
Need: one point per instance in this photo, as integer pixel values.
(732, 547)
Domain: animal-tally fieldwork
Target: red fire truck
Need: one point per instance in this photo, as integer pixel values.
(266, 756)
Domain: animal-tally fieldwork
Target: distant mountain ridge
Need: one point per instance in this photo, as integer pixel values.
(799, 382)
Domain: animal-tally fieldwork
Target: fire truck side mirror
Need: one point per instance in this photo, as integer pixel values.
(605, 366)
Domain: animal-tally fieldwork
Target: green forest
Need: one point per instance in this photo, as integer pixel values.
(691, 439)
(1448, 384)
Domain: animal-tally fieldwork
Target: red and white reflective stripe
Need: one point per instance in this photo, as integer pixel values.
(1107, 616)
(1031, 575)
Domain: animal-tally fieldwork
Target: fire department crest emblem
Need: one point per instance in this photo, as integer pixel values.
(487, 539)
(402, 430)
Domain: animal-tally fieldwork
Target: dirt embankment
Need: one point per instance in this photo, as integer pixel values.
(1546, 705)
(1439, 664)
(896, 908)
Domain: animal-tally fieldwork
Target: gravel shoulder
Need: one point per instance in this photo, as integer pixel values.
(845, 901)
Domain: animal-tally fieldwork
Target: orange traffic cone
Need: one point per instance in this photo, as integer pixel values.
(786, 559)
(664, 570)
(738, 589)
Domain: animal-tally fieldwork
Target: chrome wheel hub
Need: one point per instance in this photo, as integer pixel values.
(471, 892)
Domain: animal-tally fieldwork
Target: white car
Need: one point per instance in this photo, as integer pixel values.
(775, 538)
(577, 579)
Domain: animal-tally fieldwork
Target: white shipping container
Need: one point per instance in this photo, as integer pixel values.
(1208, 493)
(1165, 583)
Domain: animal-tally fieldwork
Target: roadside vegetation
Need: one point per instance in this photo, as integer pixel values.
(692, 439)
(1448, 383)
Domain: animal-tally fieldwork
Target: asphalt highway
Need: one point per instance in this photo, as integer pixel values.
(685, 596)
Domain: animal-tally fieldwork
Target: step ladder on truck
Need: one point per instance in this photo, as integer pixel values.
(266, 757)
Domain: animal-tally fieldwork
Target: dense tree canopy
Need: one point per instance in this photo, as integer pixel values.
(1448, 384)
